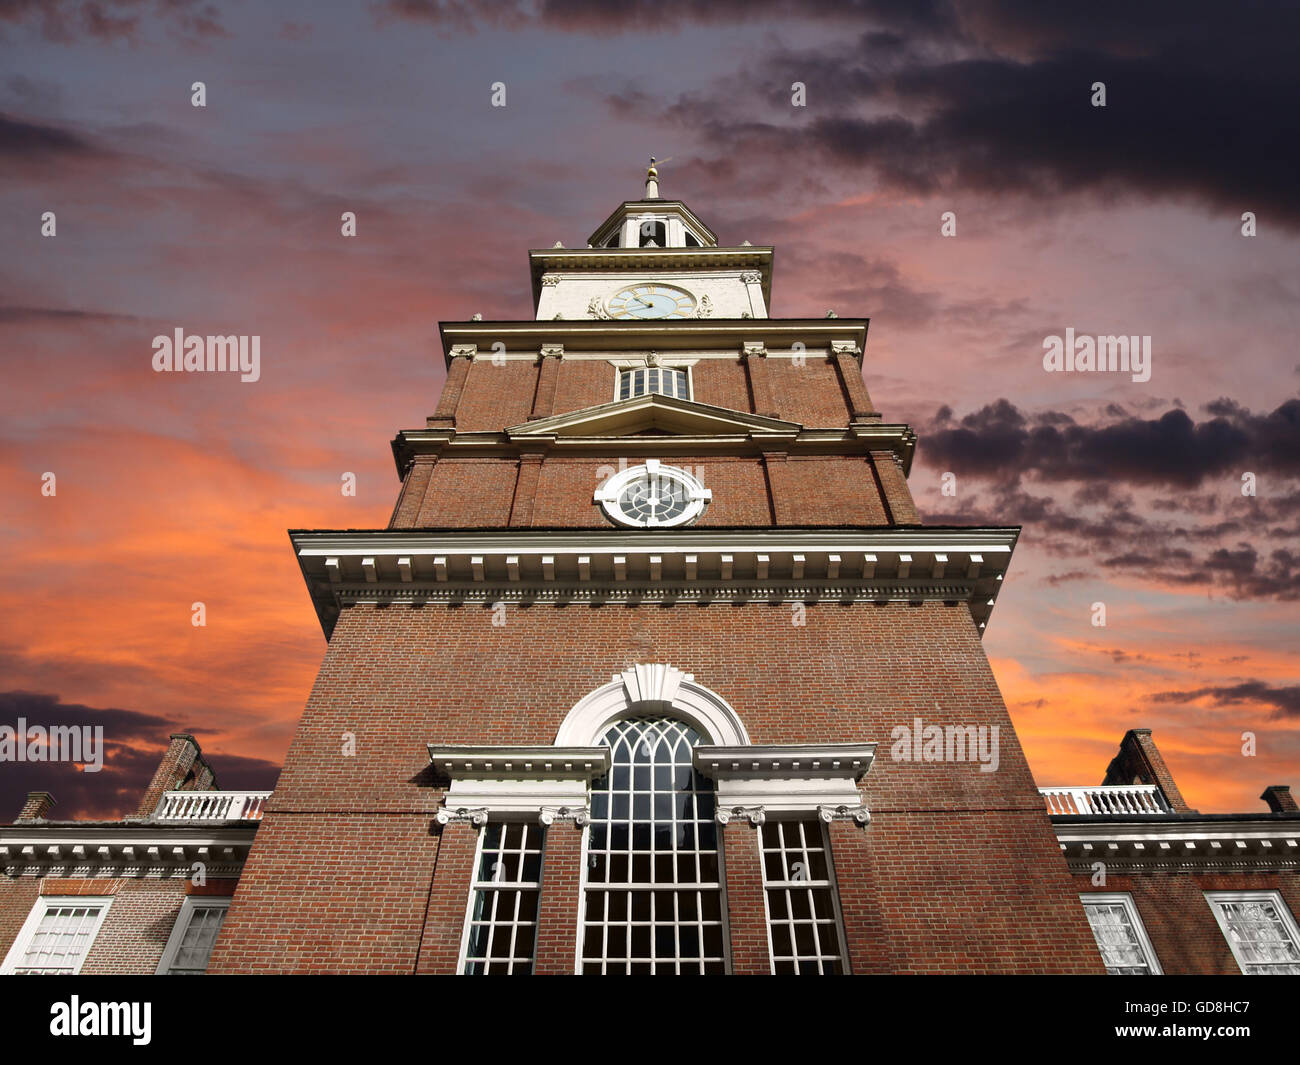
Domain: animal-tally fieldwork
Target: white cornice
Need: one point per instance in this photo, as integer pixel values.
(495, 782)
(625, 416)
(532, 763)
(787, 778)
(858, 439)
(688, 565)
(789, 761)
(1153, 844)
(693, 335)
(122, 850)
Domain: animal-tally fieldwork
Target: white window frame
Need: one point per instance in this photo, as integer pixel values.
(697, 496)
(829, 884)
(476, 886)
(17, 952)
(183, 919)
(1124, 899)
(1214, 898)
(585, 883)
(620, 370)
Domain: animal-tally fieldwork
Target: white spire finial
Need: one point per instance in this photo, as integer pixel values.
(652, 181)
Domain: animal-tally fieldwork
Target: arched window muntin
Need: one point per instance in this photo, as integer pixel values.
(654, 380)
(653, 893)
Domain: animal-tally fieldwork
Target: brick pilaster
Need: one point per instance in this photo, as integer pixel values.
(557, 924)
(746, 916)
(893, 488)
(526, 480)
(548, 374)
(444, 919)
(861, 409)
(444, 414)
(780, 488)
(414, 487)
(760, 383)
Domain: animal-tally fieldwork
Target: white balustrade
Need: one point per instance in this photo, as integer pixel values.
(1106, 799)
(211, 806)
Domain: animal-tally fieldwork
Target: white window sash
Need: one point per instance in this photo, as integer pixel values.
(18, 952)
(183, 919)
(1124, 900)
(1219, 899)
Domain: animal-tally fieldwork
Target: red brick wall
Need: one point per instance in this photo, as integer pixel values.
(969, 873)
(469, 493)
(746, 913)
(557, 491)
(17, 896)
(444, 917)
(557, 926)
(331, 892)
(1182, 928)
(495, 396)
(136, 929)
(810, 394)
(566, 486)
(721, 383)
(134, 932)
(583, 383)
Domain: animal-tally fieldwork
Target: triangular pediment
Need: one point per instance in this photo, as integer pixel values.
(655, 414)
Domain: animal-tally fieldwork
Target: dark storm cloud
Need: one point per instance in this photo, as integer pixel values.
(57, 316)
(64, 21)
(133, 745)
(999, 441)
(1284, 701)
(929, 17)
(945, 98)
(1171, 544)
(31, 140)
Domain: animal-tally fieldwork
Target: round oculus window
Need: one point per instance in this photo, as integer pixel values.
(653, 495)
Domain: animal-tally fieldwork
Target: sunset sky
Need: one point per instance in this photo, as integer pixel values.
(1123, 219)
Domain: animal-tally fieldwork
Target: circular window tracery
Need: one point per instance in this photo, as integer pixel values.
(653, 496)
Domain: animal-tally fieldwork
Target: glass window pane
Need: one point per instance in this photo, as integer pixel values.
(801, 898)
(653, 810)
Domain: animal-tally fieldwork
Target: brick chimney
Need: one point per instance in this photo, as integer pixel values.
(1278, 797)
(182, 769)
(38, 804)
(1139, 762)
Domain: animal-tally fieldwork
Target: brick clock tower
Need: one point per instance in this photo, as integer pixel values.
(655, 668)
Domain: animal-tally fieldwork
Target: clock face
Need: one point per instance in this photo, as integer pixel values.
(651, 300)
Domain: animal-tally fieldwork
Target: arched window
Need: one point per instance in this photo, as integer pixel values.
(653, 234)
(653, 893)
(662, 381)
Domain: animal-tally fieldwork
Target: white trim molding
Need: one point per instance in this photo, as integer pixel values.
(139, 851)
(496, 782)
(804, 778)
(44, 903)
(685, 565)
(1179, 843)
(657, 689)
